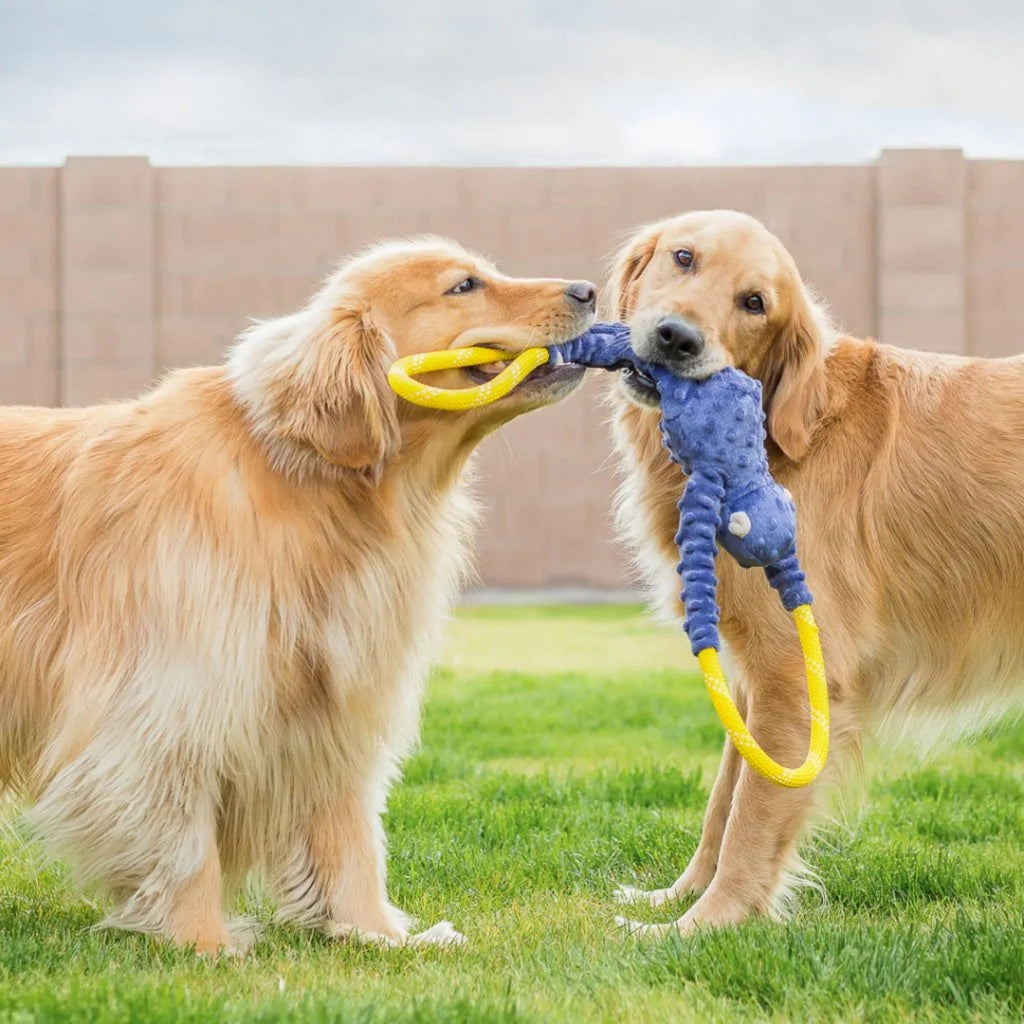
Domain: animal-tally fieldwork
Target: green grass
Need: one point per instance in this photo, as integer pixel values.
(566, 750)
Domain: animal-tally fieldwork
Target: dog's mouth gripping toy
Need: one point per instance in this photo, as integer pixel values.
(714, 430)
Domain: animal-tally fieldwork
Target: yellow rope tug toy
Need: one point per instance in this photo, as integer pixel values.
(714, 430)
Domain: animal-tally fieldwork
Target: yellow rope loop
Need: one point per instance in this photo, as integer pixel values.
(403, 373)
(817, 692)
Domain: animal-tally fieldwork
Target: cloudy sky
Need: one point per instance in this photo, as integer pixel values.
(547, 82)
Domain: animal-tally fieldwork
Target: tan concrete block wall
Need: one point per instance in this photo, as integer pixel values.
(995, 257)
(107, 279)
(112, 270)
(29, 301)
(922, 227)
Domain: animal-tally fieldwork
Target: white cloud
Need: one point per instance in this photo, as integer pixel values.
(545, 82)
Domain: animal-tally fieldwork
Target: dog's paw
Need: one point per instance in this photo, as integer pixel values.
(638, 930)
(652, 897)
(442, 934)
(361, 937)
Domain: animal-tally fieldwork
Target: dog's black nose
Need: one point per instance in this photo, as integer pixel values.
(582, 292)
(678, 338)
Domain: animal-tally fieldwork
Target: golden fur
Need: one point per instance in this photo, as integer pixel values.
(908, 476)
(219, 600)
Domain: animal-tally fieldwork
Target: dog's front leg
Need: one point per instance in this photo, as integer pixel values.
(701, 869)
(764, 822)
(336, 880)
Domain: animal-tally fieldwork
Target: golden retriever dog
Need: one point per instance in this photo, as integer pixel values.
(218, 601)
(908, 477)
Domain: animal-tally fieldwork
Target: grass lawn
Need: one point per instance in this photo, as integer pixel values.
(564, 751)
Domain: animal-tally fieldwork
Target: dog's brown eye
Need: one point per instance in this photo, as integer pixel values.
(753, 303)
(684, 257)
(465, 286)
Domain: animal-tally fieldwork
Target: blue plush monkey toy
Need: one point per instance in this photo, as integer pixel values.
(714, 430)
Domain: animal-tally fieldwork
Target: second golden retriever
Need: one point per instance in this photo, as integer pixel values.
(218, 601)
(908, 476)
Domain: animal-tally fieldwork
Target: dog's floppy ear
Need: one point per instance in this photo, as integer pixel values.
(341, 405)
(627, 266)
(793, 377)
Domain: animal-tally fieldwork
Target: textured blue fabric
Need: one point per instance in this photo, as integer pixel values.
(714, 430)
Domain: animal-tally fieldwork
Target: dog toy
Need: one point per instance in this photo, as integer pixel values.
(403, 373)
(714, 430)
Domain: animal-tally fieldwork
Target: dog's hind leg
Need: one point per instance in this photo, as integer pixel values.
(181, 898)
(195, 916)
(701, 869)
(141, 823)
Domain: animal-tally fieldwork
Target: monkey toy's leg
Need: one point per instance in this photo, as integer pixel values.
(700, 510)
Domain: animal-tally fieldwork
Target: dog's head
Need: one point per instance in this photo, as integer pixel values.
(315, 383)
(715, 288)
